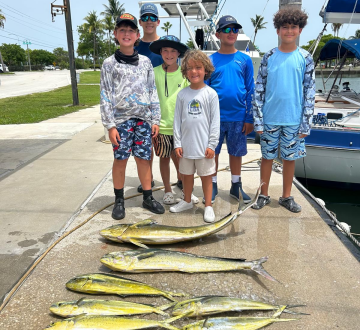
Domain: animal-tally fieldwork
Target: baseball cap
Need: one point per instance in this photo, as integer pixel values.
(225, 21)
(126, 17)
(168, 41)
(149, 8)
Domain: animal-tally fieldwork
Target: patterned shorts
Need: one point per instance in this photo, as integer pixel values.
(163, 145)
(235, 138)
(135, 138)
(291, 146)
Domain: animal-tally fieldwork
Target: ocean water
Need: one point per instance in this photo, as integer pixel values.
(354, 83)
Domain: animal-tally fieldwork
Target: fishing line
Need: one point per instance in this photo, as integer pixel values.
(41, 257)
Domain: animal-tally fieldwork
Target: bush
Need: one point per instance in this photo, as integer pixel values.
(26, 68)
(64, 65)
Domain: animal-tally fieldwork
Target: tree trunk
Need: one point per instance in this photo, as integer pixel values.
(94, 51)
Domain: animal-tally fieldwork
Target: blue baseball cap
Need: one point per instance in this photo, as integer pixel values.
(149, 8)
(225, 21)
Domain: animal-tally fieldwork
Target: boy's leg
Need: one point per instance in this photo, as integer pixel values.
(188, 183)
(144, 172)
(288, 176)
(265, 174)
(165, 172)
(207, 188)
(205, 168)
(118, 173)
(176, 164)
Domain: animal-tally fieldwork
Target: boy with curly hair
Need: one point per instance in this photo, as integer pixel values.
(284, 104)
(196, 130)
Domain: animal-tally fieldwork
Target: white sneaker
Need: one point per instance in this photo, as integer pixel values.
(181, 206)
(194, 199)
(209, 215)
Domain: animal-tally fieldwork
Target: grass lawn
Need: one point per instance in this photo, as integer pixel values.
(90, 77)
(37, 107)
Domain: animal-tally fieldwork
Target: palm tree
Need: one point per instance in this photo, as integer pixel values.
(93, 25)
(356, 36)
(336, 28)
(114, 9)
(109, 27)
(2, 19)
(258, 24)
(167, 26)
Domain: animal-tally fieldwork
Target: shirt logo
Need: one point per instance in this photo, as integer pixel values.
(194, 107)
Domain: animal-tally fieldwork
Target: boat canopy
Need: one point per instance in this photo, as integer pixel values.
(331, 49)
(341, 11)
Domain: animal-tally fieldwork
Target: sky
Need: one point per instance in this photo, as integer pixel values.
(31, 21)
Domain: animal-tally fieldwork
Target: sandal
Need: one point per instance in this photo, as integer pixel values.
(168, 198)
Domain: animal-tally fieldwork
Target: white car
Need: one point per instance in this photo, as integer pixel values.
(5, 69)
(49, 67)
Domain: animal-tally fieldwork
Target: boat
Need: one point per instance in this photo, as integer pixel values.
(333, 146)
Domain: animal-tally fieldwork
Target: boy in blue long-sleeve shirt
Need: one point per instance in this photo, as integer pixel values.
(233, 80)
(284, 104)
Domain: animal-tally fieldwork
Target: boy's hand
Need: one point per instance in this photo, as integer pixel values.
(248, 128)
(209, 153)
(301, 136)
(154, 131)
(114, 136)
(179, 152)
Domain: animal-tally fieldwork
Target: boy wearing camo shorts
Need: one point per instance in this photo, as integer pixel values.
(130, 111)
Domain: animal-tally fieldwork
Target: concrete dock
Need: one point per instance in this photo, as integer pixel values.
(66, 179)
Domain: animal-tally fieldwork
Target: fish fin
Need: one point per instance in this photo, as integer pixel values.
(138, 243)
(167, 306)
(173, 319)
(146, 255)
(258, 268)
(143, 223)
(80, 301)
(243, 208)
(278, 312)
(205, 323)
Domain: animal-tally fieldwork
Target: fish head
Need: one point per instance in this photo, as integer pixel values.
(64, 308)
(195, 326)
(114, 233)
(77, 283)
(188, 307)
(118, 260)
(61, 325)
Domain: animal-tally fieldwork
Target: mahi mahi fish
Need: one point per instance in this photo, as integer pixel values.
(159, 260)
(104, 307)
(112, 284)
(237, 323)
(210, 305)
(106, 322)
(149, 232)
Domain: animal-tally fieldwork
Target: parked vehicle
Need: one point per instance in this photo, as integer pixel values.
(49, 67)
(5, 69)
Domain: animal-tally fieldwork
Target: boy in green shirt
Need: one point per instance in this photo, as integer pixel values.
(169, 81)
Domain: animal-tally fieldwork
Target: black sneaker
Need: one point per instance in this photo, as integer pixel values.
(118, 212)
(261, 202)
(290, 204)
(140, 189)
(153, 206)
(179, 184)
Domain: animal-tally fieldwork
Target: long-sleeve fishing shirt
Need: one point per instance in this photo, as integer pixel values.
(285, 90)
(128, 91)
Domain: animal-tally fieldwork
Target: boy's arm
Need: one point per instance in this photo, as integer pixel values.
(309, 96)
(215, 123)
(177, 123)
(249, 86)
(259, 96)
(106, 106)
(154, 99)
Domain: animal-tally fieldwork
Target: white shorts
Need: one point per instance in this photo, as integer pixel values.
(203, 166)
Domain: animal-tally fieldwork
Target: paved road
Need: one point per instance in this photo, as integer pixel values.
(23, 83)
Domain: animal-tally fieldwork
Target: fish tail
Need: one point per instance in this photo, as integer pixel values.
(167, 306)
(166, 324)
(242, 208)
(258, 268)
(286, 310)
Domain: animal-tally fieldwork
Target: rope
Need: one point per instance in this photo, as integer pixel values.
(212, 24)
(40, 258)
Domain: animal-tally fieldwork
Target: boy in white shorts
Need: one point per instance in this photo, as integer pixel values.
(196, 130)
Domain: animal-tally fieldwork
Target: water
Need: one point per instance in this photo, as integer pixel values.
(344, 203)
(354, 83)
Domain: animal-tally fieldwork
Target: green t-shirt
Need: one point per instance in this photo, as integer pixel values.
(175, 83)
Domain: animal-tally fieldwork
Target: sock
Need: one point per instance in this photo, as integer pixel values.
(214, 179)
(119, 193)
(235, 178)
(147, 193)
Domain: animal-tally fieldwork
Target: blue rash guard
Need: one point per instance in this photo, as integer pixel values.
(143, 49)
(233, 80)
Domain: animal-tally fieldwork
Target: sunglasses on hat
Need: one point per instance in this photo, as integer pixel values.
(145, 18)
(229, 29)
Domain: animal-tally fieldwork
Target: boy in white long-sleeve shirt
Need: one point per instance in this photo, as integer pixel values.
(196, 130)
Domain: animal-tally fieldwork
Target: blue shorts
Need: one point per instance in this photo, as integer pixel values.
(135, 138)
(235, 138)
(291, 146)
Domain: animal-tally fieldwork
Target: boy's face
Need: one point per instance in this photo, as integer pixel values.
(149, 27)
(169, 55)
(228, 39)
(195, 72)
(288, 33)
(126, 35)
